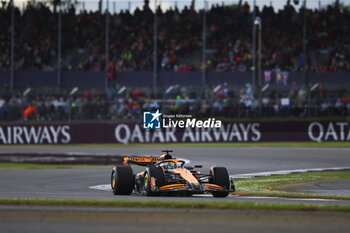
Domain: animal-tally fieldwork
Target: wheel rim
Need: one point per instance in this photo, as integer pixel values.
(145, 183)
(113, 180)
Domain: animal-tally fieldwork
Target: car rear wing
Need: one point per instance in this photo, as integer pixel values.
(142, 160)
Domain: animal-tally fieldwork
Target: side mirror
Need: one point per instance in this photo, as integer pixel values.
(188, 168)
(198, 166)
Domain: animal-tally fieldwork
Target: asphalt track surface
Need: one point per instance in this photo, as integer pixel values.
(75, 183)
(237, 160)
(326, 187)
(72, 219)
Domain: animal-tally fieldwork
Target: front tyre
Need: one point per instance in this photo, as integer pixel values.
(157, 174)
(219, 176)
(122, 180)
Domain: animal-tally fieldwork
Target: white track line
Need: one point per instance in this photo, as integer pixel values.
(107, 187)
(285, 172)
(104, 187)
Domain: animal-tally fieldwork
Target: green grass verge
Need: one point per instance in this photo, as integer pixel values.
(44, 166)
(176, 204)
(223, 144)
(269, 185)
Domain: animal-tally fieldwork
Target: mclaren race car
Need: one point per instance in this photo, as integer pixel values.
(166, 175)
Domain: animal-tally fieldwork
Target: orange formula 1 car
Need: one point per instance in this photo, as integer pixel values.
(166, 175)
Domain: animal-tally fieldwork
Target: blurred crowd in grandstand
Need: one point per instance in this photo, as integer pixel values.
(47, 104)
(229, 39)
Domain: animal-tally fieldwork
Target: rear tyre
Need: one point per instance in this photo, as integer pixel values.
(157, 174)
(219, 176)
(122, 180)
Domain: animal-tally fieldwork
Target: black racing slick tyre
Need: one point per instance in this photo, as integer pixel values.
(219, 176)
(122, 180)
(157, 174)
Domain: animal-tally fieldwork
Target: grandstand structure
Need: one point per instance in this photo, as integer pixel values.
(211, 58)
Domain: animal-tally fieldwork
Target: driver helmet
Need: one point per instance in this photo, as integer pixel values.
(171, 165)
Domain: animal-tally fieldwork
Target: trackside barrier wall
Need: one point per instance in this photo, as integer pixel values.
(125, 133)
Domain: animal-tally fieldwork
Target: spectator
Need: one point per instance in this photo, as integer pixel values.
(229, 42)
(29, 113)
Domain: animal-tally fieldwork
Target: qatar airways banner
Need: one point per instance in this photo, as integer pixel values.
(318, 131)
